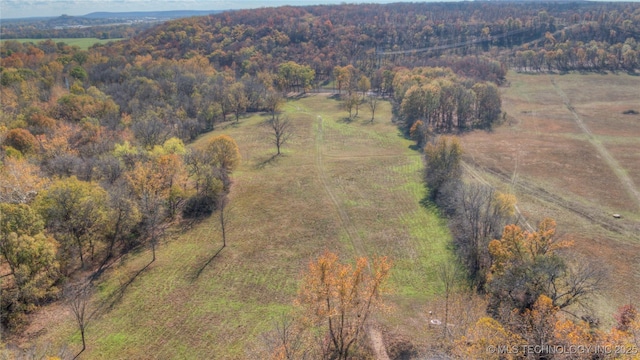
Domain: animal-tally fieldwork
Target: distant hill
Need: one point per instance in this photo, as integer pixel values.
(102, 25)
(151, 14)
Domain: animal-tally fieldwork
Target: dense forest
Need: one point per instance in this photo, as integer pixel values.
(94, 161)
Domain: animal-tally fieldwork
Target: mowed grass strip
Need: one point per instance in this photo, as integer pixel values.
(281, 216)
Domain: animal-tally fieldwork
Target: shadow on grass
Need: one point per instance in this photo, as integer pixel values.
(261, 164)
(204, 266)
(426, 203)
(114, 298)
(299, 96)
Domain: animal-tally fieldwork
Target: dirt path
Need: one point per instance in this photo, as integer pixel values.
(546, 195)
(618, 170)
(379, 350)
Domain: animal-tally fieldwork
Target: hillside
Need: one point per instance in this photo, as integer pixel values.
(351, 187)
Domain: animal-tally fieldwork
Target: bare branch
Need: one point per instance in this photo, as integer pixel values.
(282, 131)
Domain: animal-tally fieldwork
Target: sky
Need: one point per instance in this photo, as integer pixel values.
(36, 8)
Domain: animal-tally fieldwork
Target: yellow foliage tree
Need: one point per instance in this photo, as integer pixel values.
(488, 339)
(223, 153)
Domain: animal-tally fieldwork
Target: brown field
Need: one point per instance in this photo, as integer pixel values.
(569, 153)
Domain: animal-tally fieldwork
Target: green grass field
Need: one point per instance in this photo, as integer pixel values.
(83, 43)
(350, 187)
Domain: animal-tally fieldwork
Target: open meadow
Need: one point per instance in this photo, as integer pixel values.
(568, 151)
(352, 187)
(82, 43)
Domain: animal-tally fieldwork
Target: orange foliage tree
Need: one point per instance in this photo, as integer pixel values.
(338, 299)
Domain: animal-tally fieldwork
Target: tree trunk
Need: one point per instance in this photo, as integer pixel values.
(153, 248)
(84, 344)
(224, 234)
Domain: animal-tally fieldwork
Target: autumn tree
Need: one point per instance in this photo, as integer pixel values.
(237, 99)
(626, 333)
(209, 169)
(293, 76)
(282, 130)
(344, 78)
(364, 85)
(338, 299)
(420, 133)
(625, 316)
(77, 213)
(22, 140)
(207, 182)
(488, 104)
(223, 153)
(525, 266)
(487, 333)
(173, 186)
(30, 256)
(159, 186)
(537, 324)
(20, 181)
(150, 129)
(125, 217)
(443, 168)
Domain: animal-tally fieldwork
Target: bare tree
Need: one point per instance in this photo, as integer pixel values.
(482, 213)
(78, 305)
(287, 340)
(223, 200)
(373, 104)
(582, 280)
(282, 131)
(449, 275)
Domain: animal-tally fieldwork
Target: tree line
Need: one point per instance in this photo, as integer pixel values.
(435, 100)
(52, 227)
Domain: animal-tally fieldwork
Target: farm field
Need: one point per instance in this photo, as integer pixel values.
(568, 152)
(350, 187)
(83, 43)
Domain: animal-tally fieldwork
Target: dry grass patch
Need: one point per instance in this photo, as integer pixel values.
(556, 168)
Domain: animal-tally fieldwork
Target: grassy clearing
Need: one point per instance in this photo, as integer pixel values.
(83, 43)
(350, 187)
(579, 177)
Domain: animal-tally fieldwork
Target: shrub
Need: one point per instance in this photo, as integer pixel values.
(21, 140)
